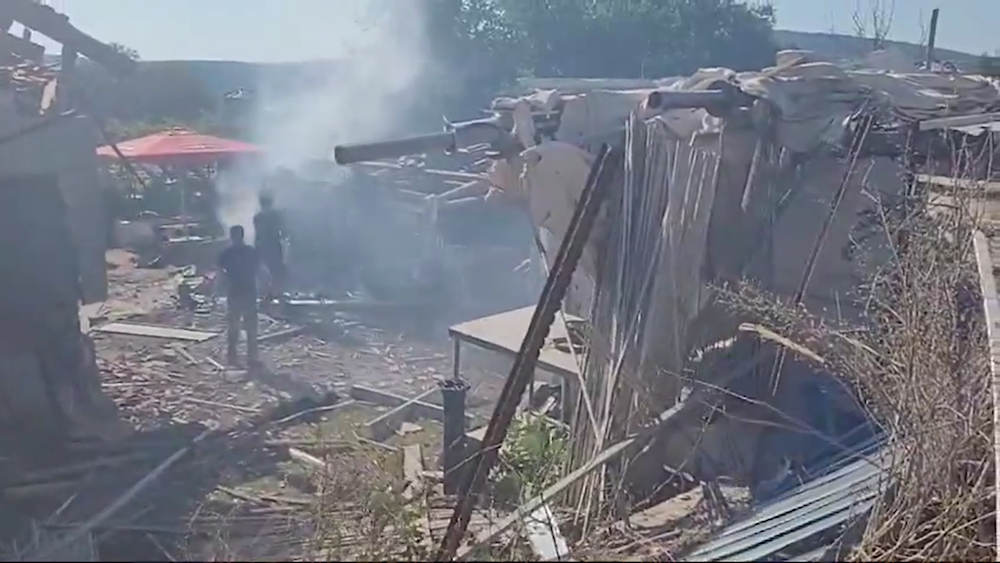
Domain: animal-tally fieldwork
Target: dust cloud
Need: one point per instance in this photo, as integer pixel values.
(363, 91)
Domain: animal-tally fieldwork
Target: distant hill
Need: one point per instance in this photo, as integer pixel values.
(164, 87)
(836, 47)
(220, 77)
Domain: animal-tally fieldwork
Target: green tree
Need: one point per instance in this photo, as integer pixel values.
(604, 38)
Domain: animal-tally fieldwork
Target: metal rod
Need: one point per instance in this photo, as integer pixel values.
(606, 166)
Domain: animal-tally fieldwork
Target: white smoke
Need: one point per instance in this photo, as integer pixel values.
(365, 94)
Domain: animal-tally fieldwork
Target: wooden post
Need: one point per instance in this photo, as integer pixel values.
(67, 71)
(605, 167)
(931, 38)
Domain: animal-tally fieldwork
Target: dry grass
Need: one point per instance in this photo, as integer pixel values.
(922, 369)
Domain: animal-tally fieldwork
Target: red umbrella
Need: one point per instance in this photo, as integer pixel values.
(179, 147)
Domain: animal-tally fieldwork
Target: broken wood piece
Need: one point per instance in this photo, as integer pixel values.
(435, 476)
(312, 443)
(217, 365)
(425, 358)
(130, 329)
(378, 445)
(413, 468)
(420, 408)
(668, 514)
(385, 425)
(240, 495)
(306, 459)
(315, 410)
(544, 537)
(475, 437)
(240, 408)
(279, 334)
(187, 355)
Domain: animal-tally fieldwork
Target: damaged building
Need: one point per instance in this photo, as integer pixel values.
(710, 183)
(54, 227)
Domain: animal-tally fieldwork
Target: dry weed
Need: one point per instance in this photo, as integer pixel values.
(921, 367)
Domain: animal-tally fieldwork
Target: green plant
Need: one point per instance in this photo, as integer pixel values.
(533, 456)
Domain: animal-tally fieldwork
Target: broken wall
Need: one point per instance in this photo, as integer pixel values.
(54, 238)
(65, 146)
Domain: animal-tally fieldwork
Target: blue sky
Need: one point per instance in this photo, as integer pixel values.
(287, 30)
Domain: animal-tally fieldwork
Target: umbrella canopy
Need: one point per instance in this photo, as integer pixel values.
(179, 147)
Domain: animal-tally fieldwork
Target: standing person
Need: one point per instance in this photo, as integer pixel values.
(268, 235)
(239, 265)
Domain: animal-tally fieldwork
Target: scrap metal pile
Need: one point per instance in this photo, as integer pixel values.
(711, 180)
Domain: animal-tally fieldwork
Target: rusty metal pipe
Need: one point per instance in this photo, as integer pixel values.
(365, 152)
(721, 95)
(490, 131)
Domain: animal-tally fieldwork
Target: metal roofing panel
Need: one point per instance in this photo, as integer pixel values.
(808, 510)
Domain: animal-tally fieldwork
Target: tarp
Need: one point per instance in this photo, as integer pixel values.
(180, 147)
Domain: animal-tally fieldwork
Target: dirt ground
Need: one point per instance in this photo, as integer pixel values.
(156, 379)
(242, 483)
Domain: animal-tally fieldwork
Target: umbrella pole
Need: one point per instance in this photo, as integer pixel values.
(182, 184)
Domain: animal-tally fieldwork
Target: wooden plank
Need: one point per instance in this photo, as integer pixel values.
(413, 476)
(965, 183)
(385, 425)
(958, 121)
(156, 332)
(991, 309)
(281, 334)
(379, 397)
(307, 459)
(544, 537)
(413, 469)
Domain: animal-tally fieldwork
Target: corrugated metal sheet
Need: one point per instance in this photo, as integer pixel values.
(776, 531)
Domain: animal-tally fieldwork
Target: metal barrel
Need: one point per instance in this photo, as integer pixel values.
(453, 394)
(720, 94)
(366, 152)
(672, 99)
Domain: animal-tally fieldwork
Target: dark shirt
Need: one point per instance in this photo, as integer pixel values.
(267, 231)
(239, 263)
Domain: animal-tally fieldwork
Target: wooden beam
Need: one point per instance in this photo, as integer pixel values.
(959, 121)
(45, 20)
(964, 183)
(991, 309)
(66, 80)
(20, 47)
